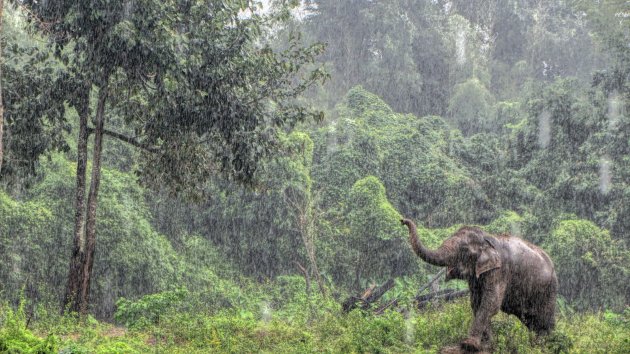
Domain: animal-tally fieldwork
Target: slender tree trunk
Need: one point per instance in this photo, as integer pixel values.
(1, 104)
(303, 204)
(92, 202)
(84, 243)
(306, 220)
(309, 242)
(74, 273)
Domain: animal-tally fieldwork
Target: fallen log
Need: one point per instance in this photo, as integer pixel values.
(435, 278)
(374, 293)
(369, 296)
(382, 308)
(442, 295)
(380, 291)
(429, 296)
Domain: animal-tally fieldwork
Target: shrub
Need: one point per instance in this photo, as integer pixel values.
(148, 309)
(16, 338)
(592, 268)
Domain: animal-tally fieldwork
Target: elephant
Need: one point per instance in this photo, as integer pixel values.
(503, 273)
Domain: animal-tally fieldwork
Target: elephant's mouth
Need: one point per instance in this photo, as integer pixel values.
(455, 273)
(451, 273)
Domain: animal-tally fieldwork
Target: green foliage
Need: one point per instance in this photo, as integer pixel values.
(23, 229)
(442, 326)
(506, 114)
(289, 300)
(373, 334)
(34, 121)
(411, 156)
(371, 215)
(286, 323)
(558, 342)
(508, 223)
(372, 228)
(214, 283)
(133, 258)
(148, 309)
(15, 337)
(591, 266)
(592, 333)
(238, 223)
(511, 337)
(471, 107)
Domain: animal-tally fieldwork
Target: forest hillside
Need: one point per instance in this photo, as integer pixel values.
(228, 176)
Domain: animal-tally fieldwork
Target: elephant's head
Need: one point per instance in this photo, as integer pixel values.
(469, 252)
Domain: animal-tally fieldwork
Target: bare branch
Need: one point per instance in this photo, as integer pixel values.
(127, 139)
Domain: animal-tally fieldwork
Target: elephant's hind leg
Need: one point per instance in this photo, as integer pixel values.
(543, 317)
(543, 324)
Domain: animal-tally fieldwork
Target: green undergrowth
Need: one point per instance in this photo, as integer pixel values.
(287, 320)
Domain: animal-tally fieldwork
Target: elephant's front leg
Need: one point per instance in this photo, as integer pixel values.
(475, 302)
(486, 303)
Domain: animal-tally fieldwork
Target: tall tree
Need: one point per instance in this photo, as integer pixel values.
(373, 225)
(198, 92)
(387, 46)
(1, 103)
(298, 195)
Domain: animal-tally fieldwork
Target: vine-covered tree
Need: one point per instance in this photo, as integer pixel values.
(375, 242)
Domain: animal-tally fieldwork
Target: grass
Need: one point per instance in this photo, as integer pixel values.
(318, 329)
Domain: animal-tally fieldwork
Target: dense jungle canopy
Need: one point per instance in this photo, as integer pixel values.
(219, 175)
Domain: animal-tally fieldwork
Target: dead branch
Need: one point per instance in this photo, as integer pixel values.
(369, 296)
(429, 284)
(442, 295)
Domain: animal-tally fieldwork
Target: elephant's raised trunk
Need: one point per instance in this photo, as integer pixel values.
(438, 257)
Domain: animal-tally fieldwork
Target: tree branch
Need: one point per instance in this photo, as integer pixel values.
(370, 295)
(445, 295)
(127, 139)
(433, 280)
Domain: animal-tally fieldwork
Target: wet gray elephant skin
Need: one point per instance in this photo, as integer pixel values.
(503, 273)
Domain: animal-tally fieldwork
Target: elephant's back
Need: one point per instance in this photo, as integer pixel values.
(530, 261)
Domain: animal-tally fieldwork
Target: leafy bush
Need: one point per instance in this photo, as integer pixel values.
(471, 107)
(592, 268)
(293, 328)
(16, 338)
(558, 343)
(148, 309)
(594, 333)
(442, 326)
(510, 336)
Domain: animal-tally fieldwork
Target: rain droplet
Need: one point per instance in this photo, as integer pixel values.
(544, 129)
(460, 43)
(265, 312)
(331, 141)
(614, 110)
(605, 177)
(409, 328)
(515, 229)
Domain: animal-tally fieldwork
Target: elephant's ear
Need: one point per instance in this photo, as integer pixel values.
(488, 260)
